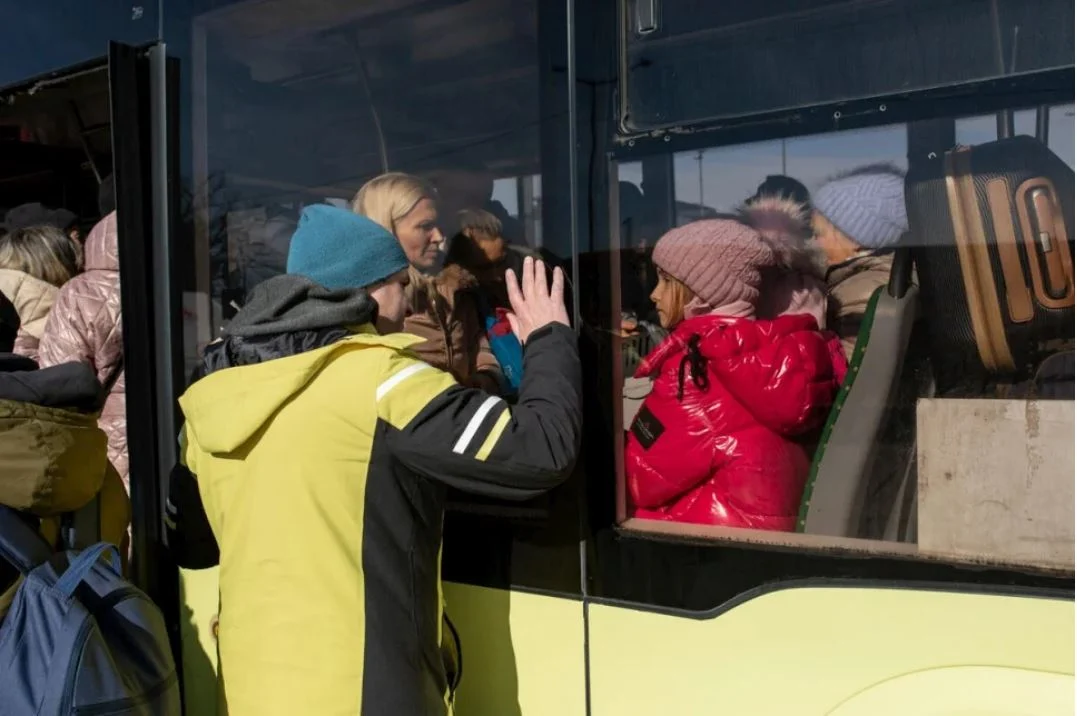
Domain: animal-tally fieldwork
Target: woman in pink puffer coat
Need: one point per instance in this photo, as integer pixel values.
(84, 325)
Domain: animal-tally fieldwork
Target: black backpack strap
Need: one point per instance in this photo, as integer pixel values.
(82, 528)
(20, 544)
(107, 385)
(483, 307)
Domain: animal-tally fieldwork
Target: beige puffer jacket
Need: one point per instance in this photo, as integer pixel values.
(33, 299)
(851, 285)
(85, 325)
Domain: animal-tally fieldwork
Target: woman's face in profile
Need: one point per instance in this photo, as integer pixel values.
(419, 235)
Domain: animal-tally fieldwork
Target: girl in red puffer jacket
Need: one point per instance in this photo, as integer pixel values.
(724, 436)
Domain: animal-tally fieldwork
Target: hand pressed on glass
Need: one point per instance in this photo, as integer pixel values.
(535, 305)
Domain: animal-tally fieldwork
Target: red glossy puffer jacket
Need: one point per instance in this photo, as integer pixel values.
(724, 436)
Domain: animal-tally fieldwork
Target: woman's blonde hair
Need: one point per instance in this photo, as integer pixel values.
(44, 252)
(388, 198)
(680, 297)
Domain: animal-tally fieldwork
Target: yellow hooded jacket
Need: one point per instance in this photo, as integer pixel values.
(323, 472)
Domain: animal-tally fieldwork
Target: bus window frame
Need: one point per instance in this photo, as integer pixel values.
(1049, 87)
(843, 108)
(143, 85)
(611, 547)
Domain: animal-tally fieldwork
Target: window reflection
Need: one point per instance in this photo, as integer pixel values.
(984, 128)
(721, 179)
(303, 105)
(43, 37)
(714, 60)
(903, 327)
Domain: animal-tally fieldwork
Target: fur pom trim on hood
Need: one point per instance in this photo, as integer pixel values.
(422, 290)
(786, 225)
(457, 278)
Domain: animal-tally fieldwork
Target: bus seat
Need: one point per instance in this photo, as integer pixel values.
(849, 446)
(890, 509)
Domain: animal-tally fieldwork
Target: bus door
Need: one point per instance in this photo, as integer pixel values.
(287, 108)
(142, 85)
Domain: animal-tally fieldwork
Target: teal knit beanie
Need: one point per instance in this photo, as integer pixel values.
(339, 249)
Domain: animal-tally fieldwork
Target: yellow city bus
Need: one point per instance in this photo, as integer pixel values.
(590, 128)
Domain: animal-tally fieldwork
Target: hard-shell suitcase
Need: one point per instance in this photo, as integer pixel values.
(991, 232)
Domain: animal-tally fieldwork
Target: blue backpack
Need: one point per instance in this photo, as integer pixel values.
(78, 638)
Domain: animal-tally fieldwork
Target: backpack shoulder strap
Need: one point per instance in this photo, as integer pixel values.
(20, 544)
(482, 304)
(110, 382)
(82, 528)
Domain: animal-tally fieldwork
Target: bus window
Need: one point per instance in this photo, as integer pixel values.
(710, 61)
(977, 130)
(53, 37)
(290, 109)
(911, 451)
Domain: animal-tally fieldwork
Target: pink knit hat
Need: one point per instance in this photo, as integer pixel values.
(718, 259)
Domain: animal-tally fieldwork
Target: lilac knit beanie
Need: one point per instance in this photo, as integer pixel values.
(718, 259)
(867, 205)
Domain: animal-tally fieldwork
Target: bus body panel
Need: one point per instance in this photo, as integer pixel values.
(523, 653)
(966, 690)
(809, 650)
(199, 603)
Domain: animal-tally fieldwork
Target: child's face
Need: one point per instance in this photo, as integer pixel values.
(490, 245)
(837, 246)
(668, 300)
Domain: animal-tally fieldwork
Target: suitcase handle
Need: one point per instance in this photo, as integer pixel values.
(1044, 225)
(1046, 243)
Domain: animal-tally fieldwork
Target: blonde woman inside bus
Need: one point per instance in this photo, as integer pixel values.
(34, 263)
(442, 305)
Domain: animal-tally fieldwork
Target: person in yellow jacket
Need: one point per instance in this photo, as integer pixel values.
(321, 450)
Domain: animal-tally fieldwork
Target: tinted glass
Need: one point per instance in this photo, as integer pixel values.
(289, 105)
(658, 427)
(41, 37)
(709, 60)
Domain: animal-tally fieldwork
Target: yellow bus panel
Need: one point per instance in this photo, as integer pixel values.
(837, 650)
(965, 690)
(522, 653)
(198, 608)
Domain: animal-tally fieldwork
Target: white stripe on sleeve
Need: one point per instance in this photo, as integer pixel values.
(397, 378)
(473, 424)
